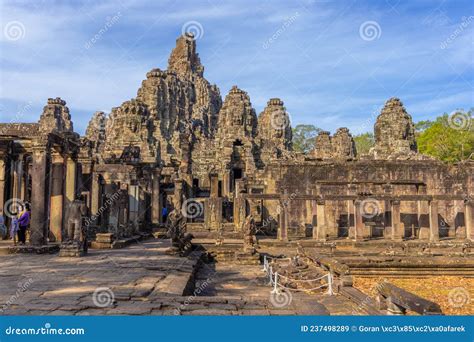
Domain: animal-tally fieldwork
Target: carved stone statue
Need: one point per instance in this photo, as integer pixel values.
(248, 229)
(77, 210)
(176, 227)
(76, 241)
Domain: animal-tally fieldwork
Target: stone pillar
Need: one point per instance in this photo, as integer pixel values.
(134, 199)
(38, 197)
(350, 220)
(226, 183)
(359, 223)
(56, 211)
(70, 187)
(2, 182)
(321, 228)
(178, 194)
(397, 227)
(434, 224)
(17, 169)
(469, 219)
(423, 225)
(95, 195)
(155, 198)
(214, 185)
(283, 229)
(239, 204)
(331, 218)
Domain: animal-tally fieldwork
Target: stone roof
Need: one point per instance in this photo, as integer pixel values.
(22, 130)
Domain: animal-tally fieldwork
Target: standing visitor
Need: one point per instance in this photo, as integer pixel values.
(14, 227)
(3, 228)
(23, 223)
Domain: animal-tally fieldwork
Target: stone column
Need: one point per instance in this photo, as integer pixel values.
(134, 198)
(423, 225)
(358, 221)
(434, 224)
(95, 195)
(70, 187)
(239, 204)
(321, 228)
(56, 211)
(17, 170)
(226, 183)
(331, 218)
(38, 197)
(469, 219)
(283, 229)
(214, 185)
(155, 198)
(397, 233)
(350, 220)
(2, 182)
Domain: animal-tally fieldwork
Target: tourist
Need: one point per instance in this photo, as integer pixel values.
(14, 228)
(3, 228)
(23, 223)
(164, 214)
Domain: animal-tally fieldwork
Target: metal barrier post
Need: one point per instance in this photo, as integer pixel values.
(275, 283)
(330, 292)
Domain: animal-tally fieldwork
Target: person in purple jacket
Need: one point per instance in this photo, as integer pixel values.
(23, 223)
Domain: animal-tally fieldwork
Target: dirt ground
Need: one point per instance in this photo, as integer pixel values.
(454, 294)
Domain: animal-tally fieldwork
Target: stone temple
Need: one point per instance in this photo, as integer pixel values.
(180, 145)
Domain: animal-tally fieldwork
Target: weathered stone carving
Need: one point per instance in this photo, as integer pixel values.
(249, 230)
(180, 241)
(76, 240)
(394, 132)
(55, 117)
(343, 146)
(323, 146)
(274, 130)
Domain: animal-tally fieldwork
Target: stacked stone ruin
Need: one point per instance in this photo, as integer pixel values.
(178, 140)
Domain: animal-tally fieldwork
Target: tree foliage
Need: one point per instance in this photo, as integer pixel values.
(444, 141)
(304, 137)
(364, 142)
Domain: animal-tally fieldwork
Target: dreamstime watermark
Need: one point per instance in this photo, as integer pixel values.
(286, 24)
(370, 30)
(110, 21)
(465, 22)
(192, 29)
(370, 208)
(14, 30)
(108, 202)
(192, 297)
(22, 287)
(103, 297)
(13, 206)
(458, 297)
(369, 122)
(192, 208)
(280, 120)
(16, 118)
(281, 298)
(280, 207)
(460, 120)
(46, 330)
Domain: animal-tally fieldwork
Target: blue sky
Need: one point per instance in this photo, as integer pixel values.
(333, 63)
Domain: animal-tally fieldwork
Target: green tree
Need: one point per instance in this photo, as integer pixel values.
(304, 137)
(364, 142)
(446, 141)
(422, 125)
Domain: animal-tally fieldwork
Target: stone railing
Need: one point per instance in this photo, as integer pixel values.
(397, 301)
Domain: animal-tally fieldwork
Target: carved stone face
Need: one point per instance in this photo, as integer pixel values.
(237, 119)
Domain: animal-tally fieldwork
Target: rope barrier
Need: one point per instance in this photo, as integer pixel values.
(273, 279)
